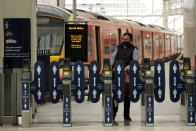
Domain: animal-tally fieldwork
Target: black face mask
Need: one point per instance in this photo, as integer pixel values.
(125, 44)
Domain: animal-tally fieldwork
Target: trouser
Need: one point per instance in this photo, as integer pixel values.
(126, 107)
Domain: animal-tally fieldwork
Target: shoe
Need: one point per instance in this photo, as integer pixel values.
(127, 119)
(113, 118)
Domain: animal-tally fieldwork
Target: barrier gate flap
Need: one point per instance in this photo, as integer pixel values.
(37, 86)
(175, 83)
(95, 84)
(55, 83)
(78, 82)
(119, 82)
(135, 83)
(159, 81)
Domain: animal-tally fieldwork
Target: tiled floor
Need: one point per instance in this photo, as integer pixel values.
(88, 116)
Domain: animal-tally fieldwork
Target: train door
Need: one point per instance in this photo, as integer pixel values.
(142, 45)
(119, 36)
(97, 37)
(153, 42)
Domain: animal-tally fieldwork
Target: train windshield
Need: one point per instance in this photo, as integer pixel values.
(50, 34)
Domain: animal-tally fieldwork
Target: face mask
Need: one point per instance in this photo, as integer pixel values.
(125, 43)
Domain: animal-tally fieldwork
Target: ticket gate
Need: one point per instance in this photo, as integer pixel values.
(74, 85)
(182, 84)
(147, 85)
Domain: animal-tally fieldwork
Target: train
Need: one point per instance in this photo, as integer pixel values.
(104, 35)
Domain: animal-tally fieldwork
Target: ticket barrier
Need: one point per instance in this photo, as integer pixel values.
(149, 86)
(110, 87)
(74, 85)
(182, 84)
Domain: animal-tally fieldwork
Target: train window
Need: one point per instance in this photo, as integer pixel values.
(44, 42)
(50, 39)
(56, 42)
(136, 41)
(113, 46)
(156, 41)
(106, 49)
(50, 34)
(147, 43)
(90, 47)
(161, 42)
(167, 39)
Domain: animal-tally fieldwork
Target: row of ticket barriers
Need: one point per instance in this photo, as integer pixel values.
(144, 81)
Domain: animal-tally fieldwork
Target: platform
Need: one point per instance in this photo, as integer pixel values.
(88, 116)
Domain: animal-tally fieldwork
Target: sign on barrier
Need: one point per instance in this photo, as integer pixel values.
(37, 86)
(191, 110)
(95, 84)
(119, 82)
(108, 110)
(159, 81)
(78, 83)
(149, 110)
(55, 83)
(136, 84)
(176, 84)
(67, 111)
(25, 96)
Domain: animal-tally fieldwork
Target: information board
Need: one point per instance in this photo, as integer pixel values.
(76, 42)
(17, 42)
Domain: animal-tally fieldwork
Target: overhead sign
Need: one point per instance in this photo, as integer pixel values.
(76, 42)
(17, 42)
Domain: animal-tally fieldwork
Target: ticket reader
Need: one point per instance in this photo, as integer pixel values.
(147, 99)
(190, 97)
(182, 84)
(67, 77)
(107, 95)
(26, 78)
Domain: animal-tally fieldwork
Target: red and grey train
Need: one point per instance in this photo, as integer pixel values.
(104, 35)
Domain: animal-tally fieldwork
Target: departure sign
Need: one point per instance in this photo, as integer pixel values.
(17, 42)
(76, 42)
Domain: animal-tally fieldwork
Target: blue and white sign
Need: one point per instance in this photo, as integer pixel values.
(78, 82)
(176, 84)
(159, 81)
(136, 85)
(67, 111)
(150, 110)
(55, 83)
(17, 41)
(25, 96)
(37, 86)
(191, 110)
(119, 82)
(108, 110)
(95, 84)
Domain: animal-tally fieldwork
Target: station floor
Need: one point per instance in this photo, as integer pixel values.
(88, 116)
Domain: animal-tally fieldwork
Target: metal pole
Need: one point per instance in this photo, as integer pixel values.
(74, 11)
